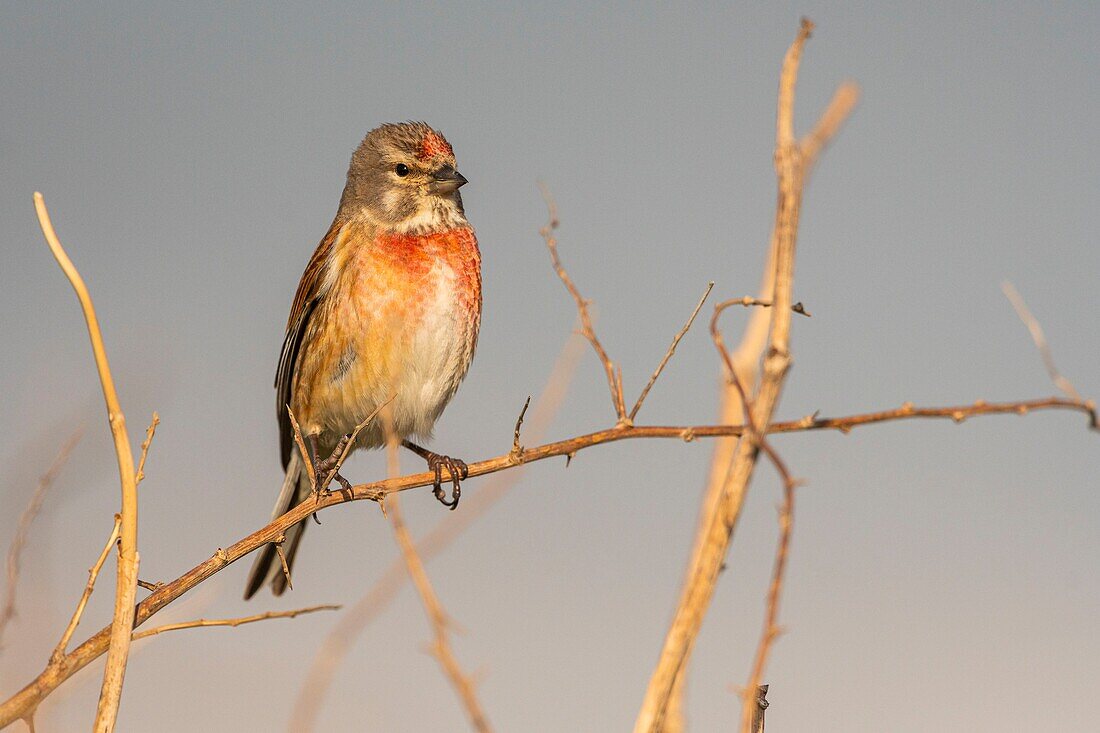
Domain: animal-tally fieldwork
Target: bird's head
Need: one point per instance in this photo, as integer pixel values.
(403, 176)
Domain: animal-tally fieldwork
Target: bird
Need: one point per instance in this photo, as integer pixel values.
(387, 313)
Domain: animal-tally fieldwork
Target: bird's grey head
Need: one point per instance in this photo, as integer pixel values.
(404, 176)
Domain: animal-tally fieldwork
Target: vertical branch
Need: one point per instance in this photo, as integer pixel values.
(123, 621)
(724, 507)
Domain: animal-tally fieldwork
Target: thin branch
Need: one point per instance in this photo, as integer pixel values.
(307, 461)
(752, 714)
(17, 706)
(614, 379)
(437, 616)
(1040, 339)
(149, 433)
(126, 586)
(285, 564)
(669, 353)
(332, 652)
(749, 301)
(240, 621)
(93, 573)
(22, 530)
(516, 447)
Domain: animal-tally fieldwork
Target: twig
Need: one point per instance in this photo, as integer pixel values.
(749, 301)
(306, 459)
(149, 433)
(354, 621)
(669, 353)
(614, 379)
(1040, 339)
(126, 587)
(22, 531)
(203, 622)
(516, 448)
(282, 560)
(760, 705)
(441, 646)
(93, 573)
(751, 711)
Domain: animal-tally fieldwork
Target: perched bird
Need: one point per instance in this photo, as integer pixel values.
(388, 306)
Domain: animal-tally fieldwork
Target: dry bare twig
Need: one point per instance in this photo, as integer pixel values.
(126, 586)
(614, 375)
(669, 353)
(149, 433)
(22, 530)
(93, 573)
(239, 621)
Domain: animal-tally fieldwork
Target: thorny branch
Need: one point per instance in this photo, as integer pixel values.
(23, 701)
(19, 541)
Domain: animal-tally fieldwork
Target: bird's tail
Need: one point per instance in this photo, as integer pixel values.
(267, 566)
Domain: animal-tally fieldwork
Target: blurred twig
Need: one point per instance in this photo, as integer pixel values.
(22, 530)
(1040, 339)
(441, 645)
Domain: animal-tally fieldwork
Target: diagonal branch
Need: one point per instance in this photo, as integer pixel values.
(614, 378)
(23, 528)
(126, 587)
(1040, 339)
(24, 701)
(669, 353)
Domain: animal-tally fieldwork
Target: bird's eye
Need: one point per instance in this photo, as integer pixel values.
(401, 169)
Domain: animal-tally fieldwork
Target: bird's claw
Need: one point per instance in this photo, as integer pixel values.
(459, 472)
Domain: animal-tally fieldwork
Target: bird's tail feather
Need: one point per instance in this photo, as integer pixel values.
(267, 565)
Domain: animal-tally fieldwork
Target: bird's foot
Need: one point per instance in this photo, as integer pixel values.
(459, 472)
(457, 469)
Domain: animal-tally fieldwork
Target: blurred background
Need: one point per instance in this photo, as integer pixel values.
(942, 577)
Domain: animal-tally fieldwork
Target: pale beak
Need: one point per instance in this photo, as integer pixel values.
(446, 180)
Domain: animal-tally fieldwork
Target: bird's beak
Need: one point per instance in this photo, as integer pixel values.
(446, 180)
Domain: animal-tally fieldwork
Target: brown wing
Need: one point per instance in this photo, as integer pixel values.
(309, 295)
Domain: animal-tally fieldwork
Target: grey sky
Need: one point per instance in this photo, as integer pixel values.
(943, 577)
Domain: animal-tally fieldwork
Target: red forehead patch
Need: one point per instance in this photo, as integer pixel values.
(433, 145)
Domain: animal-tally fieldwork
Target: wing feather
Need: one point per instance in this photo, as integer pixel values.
(311, 291)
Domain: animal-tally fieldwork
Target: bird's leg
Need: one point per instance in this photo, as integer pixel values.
(458, 469)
